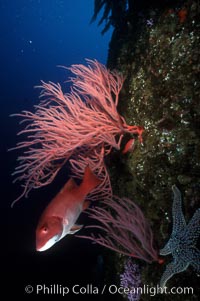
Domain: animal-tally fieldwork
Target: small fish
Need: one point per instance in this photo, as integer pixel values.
(129, 146)
(60, 216)
(182, 15)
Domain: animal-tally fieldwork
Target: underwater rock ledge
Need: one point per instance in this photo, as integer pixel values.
(159, 54)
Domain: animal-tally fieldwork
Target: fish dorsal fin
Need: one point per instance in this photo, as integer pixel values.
(90, 181)
(71, 184)
(75, 228)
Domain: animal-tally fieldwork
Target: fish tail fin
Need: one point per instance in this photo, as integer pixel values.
(90, 180)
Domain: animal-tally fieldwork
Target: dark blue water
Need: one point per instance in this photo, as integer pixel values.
(36, 36)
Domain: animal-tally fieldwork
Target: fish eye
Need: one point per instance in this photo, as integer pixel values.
(44, 230)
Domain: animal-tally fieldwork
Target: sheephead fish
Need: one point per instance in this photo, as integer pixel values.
(59, 217)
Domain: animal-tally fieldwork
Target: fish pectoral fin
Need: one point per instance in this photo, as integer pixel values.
(86, 204)
(65, 221)
(75, 228)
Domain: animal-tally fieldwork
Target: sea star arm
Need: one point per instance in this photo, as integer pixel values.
(172, 268)
(193, 228)
(179, 222)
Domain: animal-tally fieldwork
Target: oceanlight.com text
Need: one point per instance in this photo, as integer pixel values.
(90, 289)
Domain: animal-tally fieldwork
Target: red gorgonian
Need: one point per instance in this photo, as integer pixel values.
(124, 229)
(73, 126)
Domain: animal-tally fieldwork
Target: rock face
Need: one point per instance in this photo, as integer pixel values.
(158, 51)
